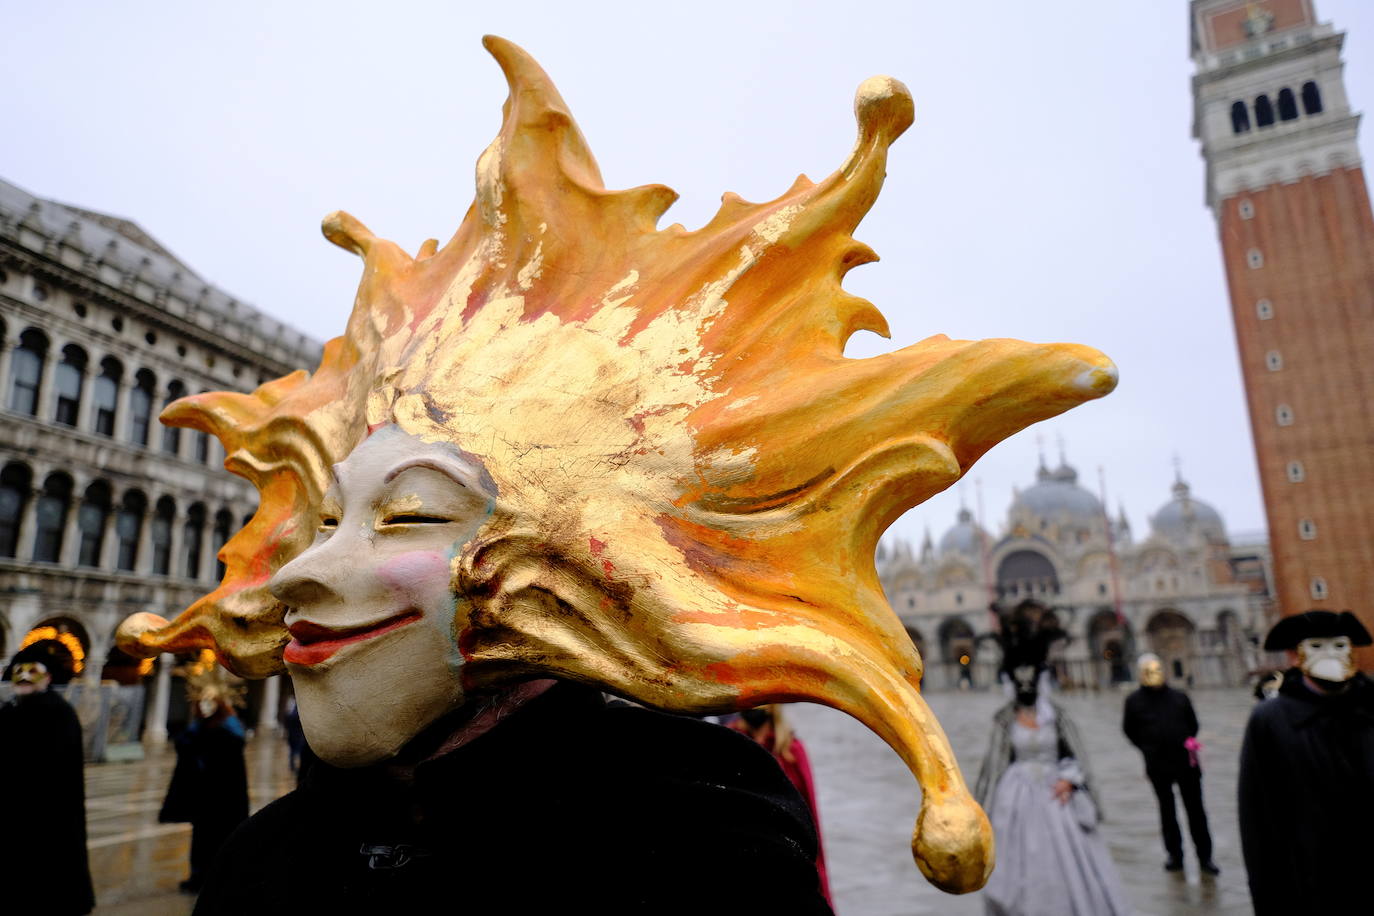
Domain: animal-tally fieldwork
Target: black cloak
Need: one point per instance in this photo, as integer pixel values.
(43, 867)
(1307, 799)
(569, 805)
(209, 787)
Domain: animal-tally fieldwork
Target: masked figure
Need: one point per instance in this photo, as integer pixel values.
(43, 866)
(569, 452)
(209, 787)
(1307, 773)
(768, 726)
(1038, 790)
(1160, 721)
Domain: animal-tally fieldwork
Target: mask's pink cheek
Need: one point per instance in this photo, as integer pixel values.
(416, 574)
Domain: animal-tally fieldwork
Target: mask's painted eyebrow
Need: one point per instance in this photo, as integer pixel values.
(456, 471)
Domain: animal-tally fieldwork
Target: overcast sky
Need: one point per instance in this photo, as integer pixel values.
(1049, 190)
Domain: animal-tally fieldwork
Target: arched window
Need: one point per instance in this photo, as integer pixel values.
(141, 406)
(51, 518)
(1240, 118)
(1311, 98)
(193, 540)
(1264, 112)
(171, 435)
(105, 395)
(161, 535)
(26, 371)
(67, 379)
(15, 483)
(128, 524)
(1288, 105)
(201, 445)
(224, 525)
(90, 522)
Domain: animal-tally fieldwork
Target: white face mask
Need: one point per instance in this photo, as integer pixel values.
(1326, 658)
(208, 707)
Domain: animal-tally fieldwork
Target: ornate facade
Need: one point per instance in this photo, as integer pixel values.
(103, 511)
(1185, 591)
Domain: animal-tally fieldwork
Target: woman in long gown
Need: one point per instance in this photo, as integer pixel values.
(1035, 786)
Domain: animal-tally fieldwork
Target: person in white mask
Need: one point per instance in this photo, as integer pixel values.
(1307, 772)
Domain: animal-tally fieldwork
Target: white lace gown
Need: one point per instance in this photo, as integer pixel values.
(1048, 863)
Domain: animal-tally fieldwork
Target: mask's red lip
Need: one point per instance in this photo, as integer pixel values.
(311, 643)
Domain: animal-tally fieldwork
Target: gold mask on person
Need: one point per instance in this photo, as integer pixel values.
(691, 477)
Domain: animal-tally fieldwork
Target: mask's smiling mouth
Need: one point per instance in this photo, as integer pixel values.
(312, 643)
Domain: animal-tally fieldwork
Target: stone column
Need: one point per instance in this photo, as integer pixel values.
(71, 535)
(143, 551)
(208, 551)
(271, 699)
(83, 405)
(122, 393)
(155, 727)
(109, 540)
(96, 653)
(176, 564)
(6, 348)
(28, 525)
(47, 397)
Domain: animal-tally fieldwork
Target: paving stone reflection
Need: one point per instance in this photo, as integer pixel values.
(869, 801)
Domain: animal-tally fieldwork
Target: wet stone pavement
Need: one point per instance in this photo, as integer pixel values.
(136, 863)
(868, 807)
(869, 801)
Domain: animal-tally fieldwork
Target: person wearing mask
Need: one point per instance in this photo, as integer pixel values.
(42, 774)
(768, 726)
(1036, 787)
(1307, 773)
(1160, 722)
(209, 786)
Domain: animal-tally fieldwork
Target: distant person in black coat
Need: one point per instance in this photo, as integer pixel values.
(210, 783)
(43, 866)
(1307, 774)
(1160, 721)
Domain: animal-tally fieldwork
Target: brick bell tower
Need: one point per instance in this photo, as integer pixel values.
(1285, 182)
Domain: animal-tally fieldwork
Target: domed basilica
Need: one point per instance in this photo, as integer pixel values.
(1185, 592)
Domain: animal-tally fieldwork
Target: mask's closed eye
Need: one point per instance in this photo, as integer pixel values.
(412, 519)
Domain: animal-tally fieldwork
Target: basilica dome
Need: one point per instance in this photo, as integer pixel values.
(963, 538)
(1056, 497)
(1183, 515)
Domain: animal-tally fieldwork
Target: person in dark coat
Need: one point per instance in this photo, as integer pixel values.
(569, 804)
(43, 868)
(209, 786)
(1307, 774)
(1160, 721)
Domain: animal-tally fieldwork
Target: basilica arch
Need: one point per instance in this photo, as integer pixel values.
(1111, 646)
(1173, 637)
(1026, 573)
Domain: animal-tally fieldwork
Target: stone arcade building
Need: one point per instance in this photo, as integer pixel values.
(103, 511)
(1186, 591)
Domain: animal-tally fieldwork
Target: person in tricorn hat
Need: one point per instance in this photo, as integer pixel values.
(43, 867)
(1307, 772)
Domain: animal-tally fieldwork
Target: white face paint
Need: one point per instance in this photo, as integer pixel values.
(1326, 658)
(371, 605)
(207, 707)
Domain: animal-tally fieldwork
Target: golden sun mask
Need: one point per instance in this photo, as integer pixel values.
(691, 477)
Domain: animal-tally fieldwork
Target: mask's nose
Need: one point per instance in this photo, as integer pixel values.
(317, 576)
